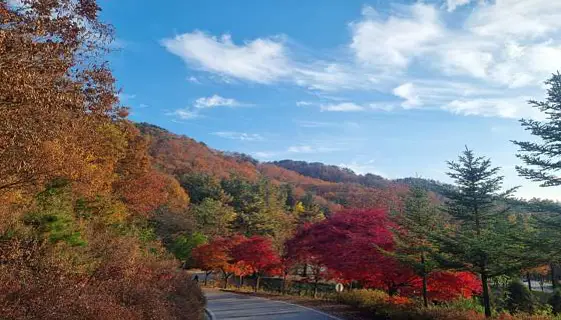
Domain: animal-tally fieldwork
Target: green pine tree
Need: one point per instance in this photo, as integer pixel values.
(482, 237)
(542, 161)
(413, 246)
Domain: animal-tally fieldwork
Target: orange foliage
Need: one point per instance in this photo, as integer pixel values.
(151, 190)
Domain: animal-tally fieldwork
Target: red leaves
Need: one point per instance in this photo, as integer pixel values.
(257, 253)
(239, 255)
(216, 255)
(348, 245)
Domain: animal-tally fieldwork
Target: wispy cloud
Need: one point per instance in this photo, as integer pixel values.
(494, 52)
(264, 154)
(193, 79)
(242, 136)
(342, 107)
(304, 103)
(365, 167)
(215, 101)
(184, 114)
(453, 4)
(200, 104)
(262, 60)
(310, 149)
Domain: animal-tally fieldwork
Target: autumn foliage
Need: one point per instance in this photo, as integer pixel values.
(77, 188)
(349, 246)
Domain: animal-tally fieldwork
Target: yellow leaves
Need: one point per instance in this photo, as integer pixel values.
(178, 199)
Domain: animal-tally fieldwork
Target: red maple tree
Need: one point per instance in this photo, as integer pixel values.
(216, 256)
(257, 252)
(347, 246)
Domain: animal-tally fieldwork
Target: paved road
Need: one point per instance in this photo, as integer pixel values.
(225, 305)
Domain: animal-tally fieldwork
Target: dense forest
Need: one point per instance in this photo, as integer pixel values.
(100, 217)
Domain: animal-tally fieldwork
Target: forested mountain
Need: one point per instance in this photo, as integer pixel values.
(182, 157)
(332, 173)
(340, 174)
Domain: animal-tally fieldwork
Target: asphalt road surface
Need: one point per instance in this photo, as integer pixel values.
(225, 305)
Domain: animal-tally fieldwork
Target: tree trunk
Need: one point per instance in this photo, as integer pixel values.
(305, 271)
(316, 288)
(206, 277)
(226, 277)
(553, 284)
(257, 282)
(529, 281)
(486, 297)
(241, 281)
(283, 286)
(425, 297)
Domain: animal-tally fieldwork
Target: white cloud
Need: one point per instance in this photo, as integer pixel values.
(514, 108)
(310, 149)
(342, 107)
(516, 18)
(194, 111)
(407, 92)
(261, 60)
(215, 101)
(461, 61)
(242, 136)
(184, 114)
(453, 4)
(303, 103)
(314, 124)
(393, 42)
(363, 167)
(193, 79)
(264, 154)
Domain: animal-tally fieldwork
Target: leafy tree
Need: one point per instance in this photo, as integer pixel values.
(202, 186)
(257, 253)
(308, 211)
(57, 94)
(183, 245)
(260, 208)
(54, 216)
(347, 244)
(217, 256)
(213, 217)
(482, 236)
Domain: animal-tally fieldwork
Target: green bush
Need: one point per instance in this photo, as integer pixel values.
(519, 298)
(363, 298)
(555, 301)
(465, 304)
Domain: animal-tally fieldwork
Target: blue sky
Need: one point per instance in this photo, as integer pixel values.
(394, 88)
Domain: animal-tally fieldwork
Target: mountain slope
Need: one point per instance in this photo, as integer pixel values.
(180, 155)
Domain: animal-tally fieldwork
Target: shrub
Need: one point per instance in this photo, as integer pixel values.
(519, 298)
(364, 298)
(465, 304)
(555, 301)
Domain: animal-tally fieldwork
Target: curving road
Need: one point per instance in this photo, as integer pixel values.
(226, 305)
